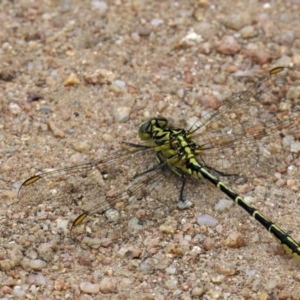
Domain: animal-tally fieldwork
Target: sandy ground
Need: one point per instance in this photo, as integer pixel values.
(76, 79)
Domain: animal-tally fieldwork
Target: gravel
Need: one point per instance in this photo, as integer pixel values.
(76, 79)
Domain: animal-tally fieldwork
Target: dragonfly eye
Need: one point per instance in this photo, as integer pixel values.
(145, 130)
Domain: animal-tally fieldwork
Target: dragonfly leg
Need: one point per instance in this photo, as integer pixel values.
(183, 204)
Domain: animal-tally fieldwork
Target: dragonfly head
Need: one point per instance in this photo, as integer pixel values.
(147, 128)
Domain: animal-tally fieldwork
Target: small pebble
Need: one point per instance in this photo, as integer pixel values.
(18, 292)
(100, 76)
(171, 270)
(297, 276)
(263, 296)
(62, 223)
(7, 264)
(7, 165)
(89, 288)
(169, 227)
(224, 269)
(237, 20)
(143, 31)
(283, 61)
(59, 284)
(293, 92)
(205, 48)
(208, 243)
(84, 260)
(82, 146)
(135, 225)
(171, 283)
(223, 205)
(57, 132)
(14, 108)
(121, 113)
(218, 279)
(198, 292)
(287, 38)
(34, 97)
(145, 267)
(156, 22)
(9, 194)
(5, 290)
(174, 249)
(31, 254)
(219, 228)
(108, 285)
(45, 110)
(295, 147)
(184, 204)
(296, 59)
(234, 240)
(214, 294)
(125, 283)
(92, 242)
(228, 45)
(207, 220)
(33, 264)
(251, 272)
(40, 280)
(71, 80)
(261, 56)
(271, 284)
(112, 215)
(101, 6)
(119, 83)
(248, 32)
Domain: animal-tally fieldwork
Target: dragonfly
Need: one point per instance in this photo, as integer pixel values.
(217, 147)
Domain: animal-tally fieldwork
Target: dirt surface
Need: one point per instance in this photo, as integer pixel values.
(76, 79)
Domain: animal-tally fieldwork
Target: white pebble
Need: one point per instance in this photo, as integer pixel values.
(134, 224)
(223, 204)
(89, 288)
(207, 220)
(156, 22)
(112, 215)
(62, 223)
(171, 270)
(295, 147)
(287, 140)
(184, 204)
(120, 83)
(145, 267)
(101, 5)
(180, 93)
(121, 114)
(45, 226)
(18, 292)
(14, 108)
(40, 213)
(250, 272)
